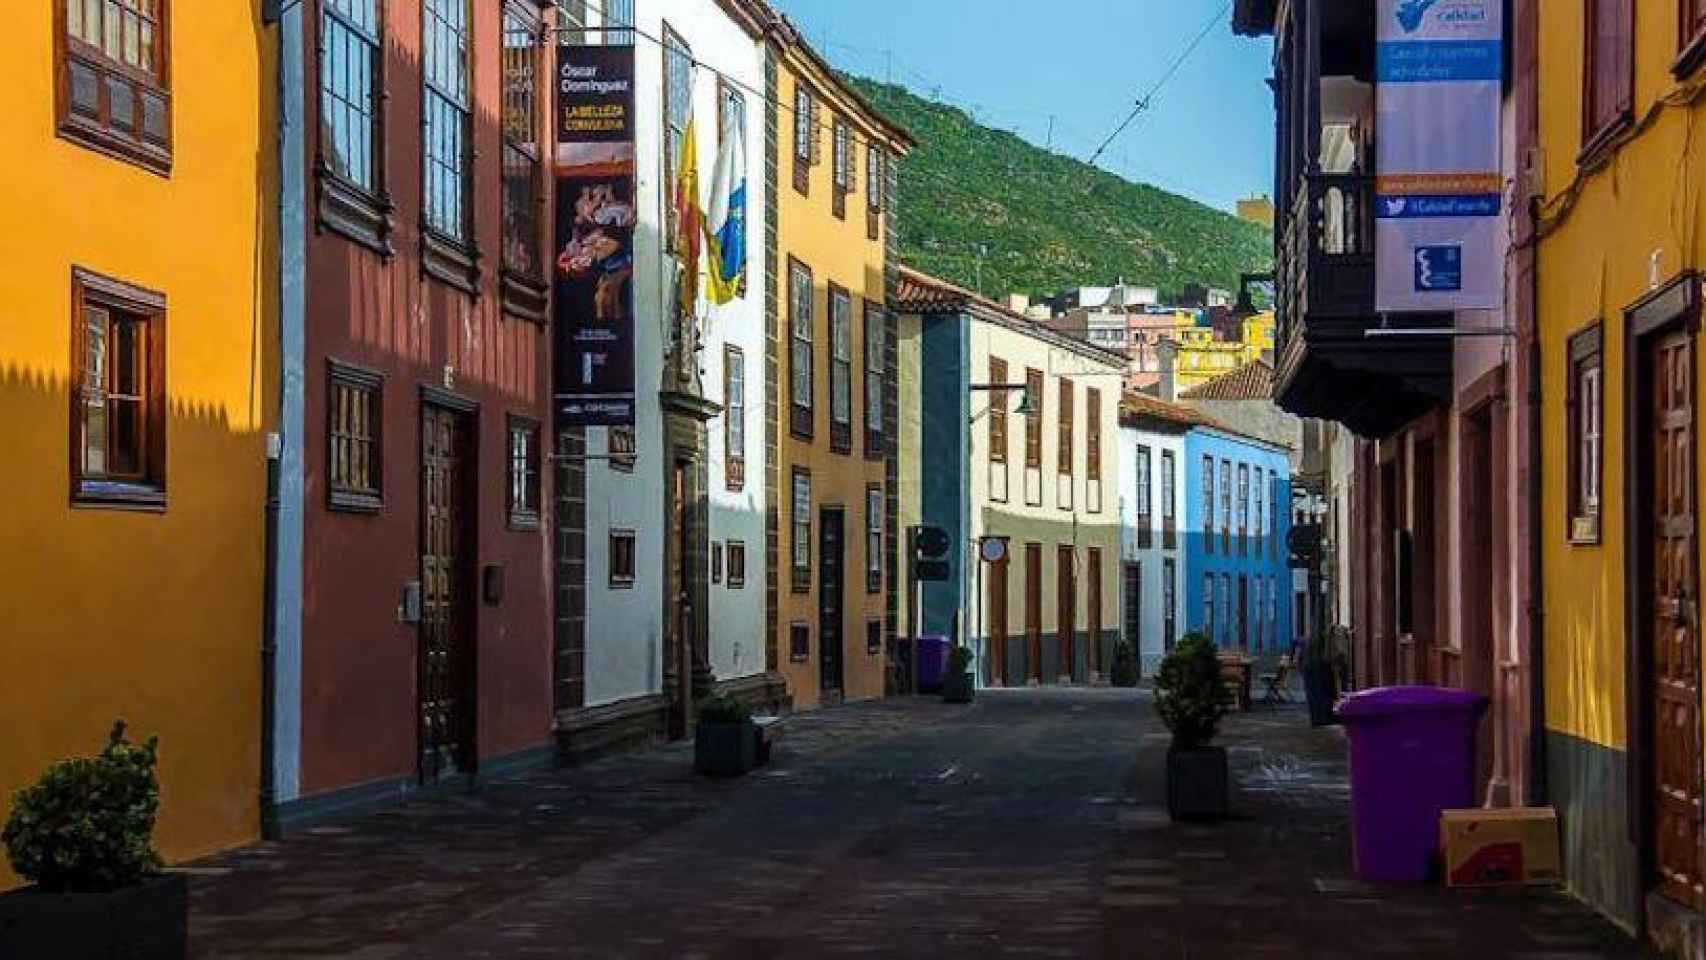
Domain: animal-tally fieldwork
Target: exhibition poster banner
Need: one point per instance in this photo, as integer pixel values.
(1439, 232)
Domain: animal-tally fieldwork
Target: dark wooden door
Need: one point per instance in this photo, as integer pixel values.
(998, 621)
(445, 665)
(1134, 608)
(1674, 630)
(1066, 614)
(680, 645)
(1034, 611)
(831, 594)
(1093, 606)
(1243, 612)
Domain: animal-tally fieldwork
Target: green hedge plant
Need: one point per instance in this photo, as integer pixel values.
(1190, 695)
(724, 709)
(87, 826)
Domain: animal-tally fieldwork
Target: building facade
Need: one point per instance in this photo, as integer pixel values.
(1152, 525)
(833, 573)
(414, 591)
(1237, 575)
(141, 341)
(1028, 499)
(1619, 297)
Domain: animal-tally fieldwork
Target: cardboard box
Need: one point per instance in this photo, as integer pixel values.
(1489, 848)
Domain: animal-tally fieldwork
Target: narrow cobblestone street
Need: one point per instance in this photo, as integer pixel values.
(1031, 823)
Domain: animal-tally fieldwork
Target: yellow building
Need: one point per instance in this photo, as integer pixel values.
(1619, 301)
(835, 566)
(138, 336)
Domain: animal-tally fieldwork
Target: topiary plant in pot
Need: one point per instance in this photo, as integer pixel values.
(1190, 698)
(725, 742)
(83, 835)
(1319, 669)
(958, 683)
(1125, 672)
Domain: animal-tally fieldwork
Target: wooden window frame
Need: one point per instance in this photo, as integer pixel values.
(1690, 36)
(1243, 509)
(840, 368)
(1144, 468)
(525, 285)
(716, 563)
(1093, 449)
(799, 641)
(619, 580)
(736, 579)
(1258, 525)
(801, 416)
(1034, 387)
(97, 132)
(873, 636)
(673, 45)
(1209, 503)
(1169, 603)
(364, 215)
(1209, 607)
(1066, 450)
(1169, 494)
(875, 320)
(876, 184)
(621, 460)
(450, 258)
(1599, 134)
(146, 488)
(997, 412)
(734, 417)
(525, 514)
(874, 514)
(800, 531)
(1226, 506)
(1582, 524)
(804, 106)
(339, 497)
(841, 152)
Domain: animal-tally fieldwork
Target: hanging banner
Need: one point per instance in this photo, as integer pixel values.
(594, 268)
(1439, 193)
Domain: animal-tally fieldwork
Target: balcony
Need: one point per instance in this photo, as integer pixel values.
(1326, 366)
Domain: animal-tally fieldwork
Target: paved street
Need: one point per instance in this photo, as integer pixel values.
(1030, 824)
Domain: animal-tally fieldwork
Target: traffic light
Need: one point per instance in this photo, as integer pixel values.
(930, 546)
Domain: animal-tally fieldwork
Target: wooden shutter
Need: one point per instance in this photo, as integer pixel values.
(1609, 68)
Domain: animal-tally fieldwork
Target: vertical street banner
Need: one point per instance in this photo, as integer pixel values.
(1439, 192)
(594, 247)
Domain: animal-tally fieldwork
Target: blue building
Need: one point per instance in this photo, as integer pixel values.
(1238, 581)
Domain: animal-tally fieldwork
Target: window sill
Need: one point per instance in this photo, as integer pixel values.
(1692, 56)
(450, 262)
(355, 214)
(737, 584)
(798, 657)
(347, 501)
(1600, 145)
(113, 495)
(801, 586)
(621, 584)
(526, 298)
(90, 135)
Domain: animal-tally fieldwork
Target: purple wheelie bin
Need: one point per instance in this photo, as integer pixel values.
(932, 662)
(1412, 755)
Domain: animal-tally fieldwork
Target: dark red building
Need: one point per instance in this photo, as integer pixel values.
(416, 400)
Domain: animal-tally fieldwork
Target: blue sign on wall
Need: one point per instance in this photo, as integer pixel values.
(1439, 268)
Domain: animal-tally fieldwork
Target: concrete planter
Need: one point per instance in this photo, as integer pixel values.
(723, 749)
(148, 921)
(1198, 783)
(958, 688)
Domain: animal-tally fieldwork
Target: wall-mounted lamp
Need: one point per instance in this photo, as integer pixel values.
(1026, 405)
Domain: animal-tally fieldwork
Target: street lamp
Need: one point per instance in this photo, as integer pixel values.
(1026, 406)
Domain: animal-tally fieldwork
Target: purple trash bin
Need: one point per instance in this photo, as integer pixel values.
(1412, 755)
(932, 662)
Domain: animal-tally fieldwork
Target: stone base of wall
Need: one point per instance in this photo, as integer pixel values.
(587, 733)
(1588, 785)
(1019, 671)
(763, 692)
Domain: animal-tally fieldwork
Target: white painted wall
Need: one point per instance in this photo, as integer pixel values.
(624, 656)
(1152, 641)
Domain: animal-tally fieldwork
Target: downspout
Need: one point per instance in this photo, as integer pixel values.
(271, 15)
(1529, 335)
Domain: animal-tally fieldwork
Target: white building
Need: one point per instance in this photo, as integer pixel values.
(662, 527)
(1152, 535)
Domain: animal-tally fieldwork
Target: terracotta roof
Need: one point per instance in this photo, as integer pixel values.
(1252, 381)
(919, 292)
(1135, 406)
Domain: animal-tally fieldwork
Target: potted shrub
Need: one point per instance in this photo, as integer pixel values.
(958, 684)
(83, 836)
(725, 741)
(1125, 672)
(1320, 680)
(1190, 698)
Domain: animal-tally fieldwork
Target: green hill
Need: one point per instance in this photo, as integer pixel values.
(1047, 221)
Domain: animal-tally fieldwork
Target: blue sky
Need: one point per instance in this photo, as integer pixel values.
(1208, 134)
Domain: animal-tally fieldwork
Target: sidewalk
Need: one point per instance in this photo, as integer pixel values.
(1276, 880)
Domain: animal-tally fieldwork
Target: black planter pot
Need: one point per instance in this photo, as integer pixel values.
(1197, 783)
(723, 749)
(1321, 688)
(149, 921)
(958, 688)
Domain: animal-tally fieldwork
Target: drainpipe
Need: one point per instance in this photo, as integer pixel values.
(269, 642)
(1526, 70)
